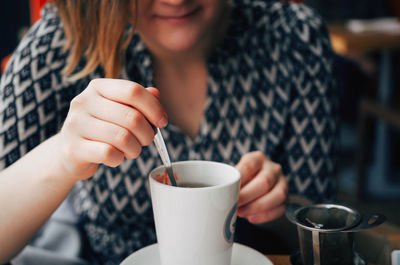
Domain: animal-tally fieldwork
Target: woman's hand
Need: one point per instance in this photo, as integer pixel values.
(107, 122)
(264, 189)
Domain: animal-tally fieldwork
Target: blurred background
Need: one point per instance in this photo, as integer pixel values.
(366, 37)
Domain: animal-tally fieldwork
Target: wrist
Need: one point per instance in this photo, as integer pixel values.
(57, 169)
(67, 167)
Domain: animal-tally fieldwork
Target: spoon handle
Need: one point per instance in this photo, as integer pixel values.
(162, 150)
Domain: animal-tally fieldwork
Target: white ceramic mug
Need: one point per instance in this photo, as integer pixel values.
(196, 225)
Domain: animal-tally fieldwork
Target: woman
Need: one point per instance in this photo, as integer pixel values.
(247, 83)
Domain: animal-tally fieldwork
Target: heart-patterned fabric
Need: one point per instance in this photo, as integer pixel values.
(270, 88)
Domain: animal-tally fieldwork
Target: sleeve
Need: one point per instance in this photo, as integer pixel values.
(310, 141)
(31, 97)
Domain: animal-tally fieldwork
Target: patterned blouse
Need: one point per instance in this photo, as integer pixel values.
(270, 88)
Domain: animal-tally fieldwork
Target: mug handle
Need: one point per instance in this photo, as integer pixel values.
(368, 221)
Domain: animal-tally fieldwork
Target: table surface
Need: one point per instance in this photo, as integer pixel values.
(345, 41)
(283, 259)
(279, 259)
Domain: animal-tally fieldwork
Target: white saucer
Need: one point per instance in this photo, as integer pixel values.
(241, 255)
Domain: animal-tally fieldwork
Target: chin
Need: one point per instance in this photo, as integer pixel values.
(179, 46)
(181, 41)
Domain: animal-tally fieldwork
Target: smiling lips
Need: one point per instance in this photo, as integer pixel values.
(178, 18)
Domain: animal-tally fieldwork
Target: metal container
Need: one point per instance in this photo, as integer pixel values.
(326, 232)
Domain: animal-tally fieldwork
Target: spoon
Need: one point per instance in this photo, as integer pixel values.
(162, 150)
(316, 225)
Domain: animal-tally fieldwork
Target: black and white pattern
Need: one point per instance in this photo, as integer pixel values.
(270, 88)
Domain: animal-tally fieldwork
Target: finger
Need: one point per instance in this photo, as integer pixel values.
(154, 91)
(109, 133)
(249, 165)
(277, 196)
(261, 184)
(99, 153)
(271, 215)
(83, 156)
(123, 116)
(133, 94)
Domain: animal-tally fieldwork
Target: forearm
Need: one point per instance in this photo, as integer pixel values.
(30, 191)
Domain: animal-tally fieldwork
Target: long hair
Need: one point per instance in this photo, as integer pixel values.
(96, 29)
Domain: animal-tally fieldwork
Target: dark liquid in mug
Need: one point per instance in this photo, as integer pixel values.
(192, 185)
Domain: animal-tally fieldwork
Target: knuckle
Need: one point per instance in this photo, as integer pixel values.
(137, 151)
(159, 111)
(249, 157)
(111, 156)
(116, 160)
(123, 137)
(258, 153)
(282, 195)
(246, 168)
(77, 101)
(256, 158)
(269, 181)
(95, 83)
(136, 91)
(133, 151)
(134, 118)
(245, 157)
(286, 187)
(106, 153)
(119, 158)
(278, 168)
(252, 164)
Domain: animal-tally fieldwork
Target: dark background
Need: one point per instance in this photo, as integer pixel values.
(14, 18)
